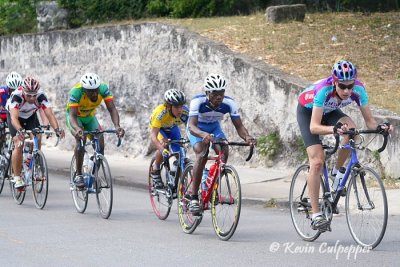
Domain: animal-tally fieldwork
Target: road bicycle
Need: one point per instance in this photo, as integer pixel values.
(98, 179)
(36, 173)
(365, 204)
(5, 155)
(223, 193)
(162, 199)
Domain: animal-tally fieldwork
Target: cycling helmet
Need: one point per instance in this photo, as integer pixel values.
(174, 97)
(14, 80)
(214, 82)
(31, 85)
(90, 81)
(344, 71)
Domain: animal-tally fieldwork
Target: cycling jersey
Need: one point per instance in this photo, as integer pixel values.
(162, 119)
(200, 107)
(78, 99)
(323, 94)
(26, 110)
(4, 94)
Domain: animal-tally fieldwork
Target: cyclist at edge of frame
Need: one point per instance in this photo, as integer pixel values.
(319, 113)
(13, 81)
(84, 98)
(205, 113)
(164, 124)
(22, 106)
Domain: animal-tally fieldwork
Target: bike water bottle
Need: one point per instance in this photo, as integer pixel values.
(85, 163)
(338, 178)
(173, 167)
(204, 180)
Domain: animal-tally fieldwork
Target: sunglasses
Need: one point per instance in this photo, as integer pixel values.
(30, 95)
(219, 92)
(345, 86)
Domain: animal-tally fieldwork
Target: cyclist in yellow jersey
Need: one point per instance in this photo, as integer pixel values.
(84, 98)
(164, 123)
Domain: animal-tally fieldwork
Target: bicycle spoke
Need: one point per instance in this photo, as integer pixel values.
(159, 200)
(40, 181)
(300, 205)
(226, 203)
(104, 189)
(366, 208)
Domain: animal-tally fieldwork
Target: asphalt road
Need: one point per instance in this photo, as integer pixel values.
(133, 236)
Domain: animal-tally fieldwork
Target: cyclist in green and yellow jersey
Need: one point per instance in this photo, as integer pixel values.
(84, 98)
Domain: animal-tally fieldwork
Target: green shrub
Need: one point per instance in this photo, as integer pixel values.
(269, 145)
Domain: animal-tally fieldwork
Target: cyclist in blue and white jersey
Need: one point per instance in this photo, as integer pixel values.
(318, 113)
(205, 113)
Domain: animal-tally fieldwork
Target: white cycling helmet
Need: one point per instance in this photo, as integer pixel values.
(174, 97)
(90, 81)
(14, 80)
(214, 82)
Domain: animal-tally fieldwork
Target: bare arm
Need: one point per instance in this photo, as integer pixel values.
(315, 126)
(154, 139)
(241, 130)
(115, 117)
(14, 113)
(369, 119)
(49, 115)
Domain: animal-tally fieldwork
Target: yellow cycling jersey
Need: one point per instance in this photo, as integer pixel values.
(161, 118)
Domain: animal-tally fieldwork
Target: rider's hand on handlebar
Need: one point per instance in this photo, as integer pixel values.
(120, 132)
(79, 133)
(251, 140)
(60, 132)
(340, 128)
(385, 127)
(21, 134)
(208, 138)
(165, 153)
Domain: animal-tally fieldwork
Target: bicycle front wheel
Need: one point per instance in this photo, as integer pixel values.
(186, 219)
(366, 207)
(79, 195)
(17, 194)
(104, 188)
(226, 203)
(40, 180)
(300, 204)
(160, 202)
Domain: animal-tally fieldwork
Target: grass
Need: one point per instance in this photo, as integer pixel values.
(306, 49)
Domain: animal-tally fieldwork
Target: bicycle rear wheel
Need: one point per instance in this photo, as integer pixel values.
(186, 219)
(366, 208)
(226, 203)
(3, 170)
(300, 204)
(104, 188)
(40, 180)
(159, 200)
(80, 196)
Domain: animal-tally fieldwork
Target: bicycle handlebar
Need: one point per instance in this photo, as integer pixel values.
(100, 132)
(225, 142)
(352, 133)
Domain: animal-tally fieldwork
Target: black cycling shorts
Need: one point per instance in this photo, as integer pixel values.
(28, 124)
(304, 120)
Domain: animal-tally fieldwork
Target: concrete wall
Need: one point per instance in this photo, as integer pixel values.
(141, 61)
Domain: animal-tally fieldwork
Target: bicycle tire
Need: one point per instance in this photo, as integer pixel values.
(187, 221)
(226, 203)
(104, 187)
(18, 195)
(362, 222)
(300, 209)
(159, 200)
(79, 196)
(40, 180)
(3, 170)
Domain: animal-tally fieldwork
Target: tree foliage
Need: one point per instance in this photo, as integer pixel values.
(17, 16)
